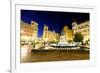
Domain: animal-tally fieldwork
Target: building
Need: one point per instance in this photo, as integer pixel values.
(53, 36)
(45, 33)
(29, 32)
(49, 35)
(68, 33)
(82, 28)
(34, 26)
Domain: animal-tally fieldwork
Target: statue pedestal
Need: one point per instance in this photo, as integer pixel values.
(63, 40)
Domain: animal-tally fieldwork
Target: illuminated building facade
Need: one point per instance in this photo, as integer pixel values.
(34, 26)
(49, 35)
(29, 32)
(45, 33)
(82, 28)
(68, 33)
(53, 36)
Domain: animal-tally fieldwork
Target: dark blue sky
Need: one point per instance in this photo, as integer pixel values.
(54, 20)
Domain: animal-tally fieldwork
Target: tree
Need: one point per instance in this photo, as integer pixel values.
(78, 37)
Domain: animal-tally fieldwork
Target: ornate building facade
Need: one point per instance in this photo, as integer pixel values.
(29, 32)
(82, 28)
(34, 26)
(68, 33)
(49, 35)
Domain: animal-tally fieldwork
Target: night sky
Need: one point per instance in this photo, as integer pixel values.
(54, 20)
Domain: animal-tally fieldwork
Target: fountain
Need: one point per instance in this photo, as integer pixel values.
(63, 43)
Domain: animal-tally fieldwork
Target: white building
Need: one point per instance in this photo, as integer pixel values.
(82, 28)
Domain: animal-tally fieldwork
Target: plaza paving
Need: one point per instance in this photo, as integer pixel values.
(55, 55)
